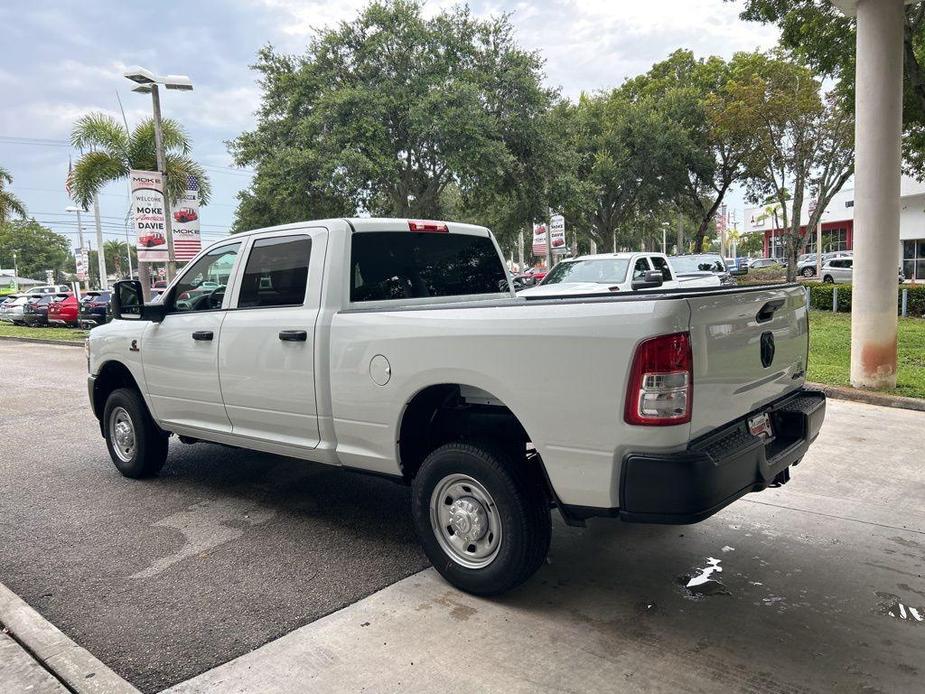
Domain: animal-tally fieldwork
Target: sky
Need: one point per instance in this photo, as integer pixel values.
(61, 60)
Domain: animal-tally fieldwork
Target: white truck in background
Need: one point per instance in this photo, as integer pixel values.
(397, 347)
(609, 273)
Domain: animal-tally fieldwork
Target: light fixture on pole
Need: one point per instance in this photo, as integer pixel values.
(148, 83)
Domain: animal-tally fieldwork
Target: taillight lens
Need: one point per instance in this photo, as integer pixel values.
(661, 384)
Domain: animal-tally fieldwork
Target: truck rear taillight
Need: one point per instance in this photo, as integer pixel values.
(428, 226)
(661, 383)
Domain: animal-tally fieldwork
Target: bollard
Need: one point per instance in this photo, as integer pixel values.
(809, 297)
(834, 299)
(905, 311)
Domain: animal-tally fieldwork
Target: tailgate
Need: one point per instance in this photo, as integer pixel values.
(750, 347)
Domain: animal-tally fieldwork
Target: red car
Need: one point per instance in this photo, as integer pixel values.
(63, 311)
(155, 238)
(185, 214)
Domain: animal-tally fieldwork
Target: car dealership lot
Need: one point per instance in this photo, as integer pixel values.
(228, 550)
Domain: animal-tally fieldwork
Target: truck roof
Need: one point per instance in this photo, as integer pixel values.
(602, 256)
(362, 224)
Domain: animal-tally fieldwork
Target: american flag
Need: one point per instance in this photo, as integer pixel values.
(69, 181)
(188, 242)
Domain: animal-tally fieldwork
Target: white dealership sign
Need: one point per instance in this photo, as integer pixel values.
(557, 234)
(148, 215)
(82, 260)
(539, 239)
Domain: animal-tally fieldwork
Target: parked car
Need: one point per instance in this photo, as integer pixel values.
(12, 311)
(35, 311)
(391, 352)
(49, 289)
(63, 311)
(529, 277)
(93, 310)
(806, 264)
(757, 263)
(840, 271)
(160, 284)
(695, 264)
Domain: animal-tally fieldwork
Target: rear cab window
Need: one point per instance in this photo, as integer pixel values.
(662, 266)
(393, 265)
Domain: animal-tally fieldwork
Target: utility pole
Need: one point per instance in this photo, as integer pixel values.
(100, 256)
(162, 167)
(80, 242)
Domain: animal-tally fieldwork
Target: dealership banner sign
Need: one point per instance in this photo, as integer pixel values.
(82, 260)
(148, 215)
(557, 234)
(187, 241)
(539, 239)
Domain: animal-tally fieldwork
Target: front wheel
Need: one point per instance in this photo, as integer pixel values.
(828, 279)
(482, 518)
(136, 445)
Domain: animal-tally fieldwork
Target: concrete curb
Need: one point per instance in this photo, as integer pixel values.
(39, 341)
(75, 667)
(870, 397)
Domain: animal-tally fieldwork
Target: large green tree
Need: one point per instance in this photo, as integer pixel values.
(628, 152)
(9, 203)
(816, 32)
(389, 112)
(805, 145)
(37, 248)
(716, 149)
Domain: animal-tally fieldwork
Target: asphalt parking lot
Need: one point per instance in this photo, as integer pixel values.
(165, 578)
(812, 587)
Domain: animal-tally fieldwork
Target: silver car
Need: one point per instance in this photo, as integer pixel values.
(806, 264)
(840, 270)
(11, 311)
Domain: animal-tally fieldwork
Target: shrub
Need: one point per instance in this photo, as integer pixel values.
(763, 275)
(820, 297)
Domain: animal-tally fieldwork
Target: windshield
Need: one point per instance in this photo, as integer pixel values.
(696, 263)
(600, 270)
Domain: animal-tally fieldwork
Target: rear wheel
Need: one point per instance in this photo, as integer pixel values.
(482, 518)
(137, 447)
(828, 279)
(808, 272)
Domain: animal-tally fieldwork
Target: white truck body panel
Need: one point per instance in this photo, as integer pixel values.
(560, 365)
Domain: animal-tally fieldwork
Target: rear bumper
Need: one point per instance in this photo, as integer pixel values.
(718, 468)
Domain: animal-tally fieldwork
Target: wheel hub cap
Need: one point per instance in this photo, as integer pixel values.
(122, 434)
(466, 521)
(468, 518)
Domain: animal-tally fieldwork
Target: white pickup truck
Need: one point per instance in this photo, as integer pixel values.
(396, 347)
(608, 273)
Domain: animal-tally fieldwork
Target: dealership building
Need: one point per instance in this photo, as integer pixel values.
(838, 227)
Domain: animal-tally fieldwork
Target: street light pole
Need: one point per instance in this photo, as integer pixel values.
(100, 256)
(162, 167)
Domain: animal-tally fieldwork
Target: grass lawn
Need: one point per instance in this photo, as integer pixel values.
(62, 334)
(830, 352)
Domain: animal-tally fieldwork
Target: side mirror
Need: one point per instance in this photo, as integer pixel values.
(127, 303)
(649, 280)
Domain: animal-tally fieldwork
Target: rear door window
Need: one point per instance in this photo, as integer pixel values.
(276, 273)
(389, 265)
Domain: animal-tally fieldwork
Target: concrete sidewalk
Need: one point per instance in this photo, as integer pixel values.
(817, 586)
(19, 671)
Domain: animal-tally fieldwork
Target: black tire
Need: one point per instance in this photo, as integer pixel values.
(521, 503)
(828, 279)
(808, 272)
(150, 443)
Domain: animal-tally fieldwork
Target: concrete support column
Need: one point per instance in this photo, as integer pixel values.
(878, 131)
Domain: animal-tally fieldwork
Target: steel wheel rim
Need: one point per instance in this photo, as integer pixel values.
(465, 520)
(122, 434)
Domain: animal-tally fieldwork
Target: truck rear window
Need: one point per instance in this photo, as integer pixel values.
(406, 265)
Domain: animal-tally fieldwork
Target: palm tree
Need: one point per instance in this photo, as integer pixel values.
(109, 151)
(9, 203)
